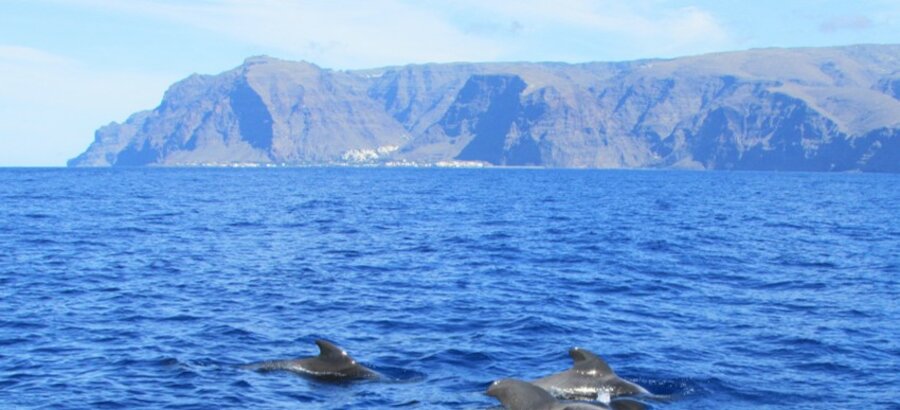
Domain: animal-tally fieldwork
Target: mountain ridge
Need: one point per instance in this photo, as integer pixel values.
(810, 109)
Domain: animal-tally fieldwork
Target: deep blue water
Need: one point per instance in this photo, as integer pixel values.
(147, 288)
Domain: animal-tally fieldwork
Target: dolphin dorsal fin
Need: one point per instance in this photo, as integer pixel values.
(328, 350)
(587, 362)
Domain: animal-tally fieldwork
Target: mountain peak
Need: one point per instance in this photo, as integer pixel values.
(265, 59)
(260, 59)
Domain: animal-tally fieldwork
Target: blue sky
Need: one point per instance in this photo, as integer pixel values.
(68, 67)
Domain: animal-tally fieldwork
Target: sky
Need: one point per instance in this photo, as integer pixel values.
(68, 67)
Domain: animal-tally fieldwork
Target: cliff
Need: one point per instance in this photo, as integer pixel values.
(822, 109)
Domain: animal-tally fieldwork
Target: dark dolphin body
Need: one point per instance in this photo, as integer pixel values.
(332, 363)
(589, 377)
(519, 395)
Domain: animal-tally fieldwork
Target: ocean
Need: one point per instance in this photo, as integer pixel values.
(148, 288)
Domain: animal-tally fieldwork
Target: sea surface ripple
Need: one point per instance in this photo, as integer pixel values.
(147, 288)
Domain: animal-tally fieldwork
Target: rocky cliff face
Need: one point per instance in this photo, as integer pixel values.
(265, 111)
(829, 109)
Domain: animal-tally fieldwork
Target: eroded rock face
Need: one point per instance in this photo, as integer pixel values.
(265, 111)
(828, 109)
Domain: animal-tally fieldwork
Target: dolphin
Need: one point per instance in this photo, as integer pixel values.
(332, 363)
(590, 377)
(519, 395)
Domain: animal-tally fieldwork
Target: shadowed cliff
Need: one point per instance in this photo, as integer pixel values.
(818, 109)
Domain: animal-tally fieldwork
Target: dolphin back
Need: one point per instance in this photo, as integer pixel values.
(332, 363)
(519, 395)
(587, 378)
(585, 361)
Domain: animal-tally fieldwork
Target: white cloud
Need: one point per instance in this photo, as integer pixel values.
(354, 34)
(691, 27)
(649, 28)
(846, 23)
(340, 33)
(20, 54)
(52, 104)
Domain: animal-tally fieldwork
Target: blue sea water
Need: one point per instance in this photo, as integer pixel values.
(148, 288)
